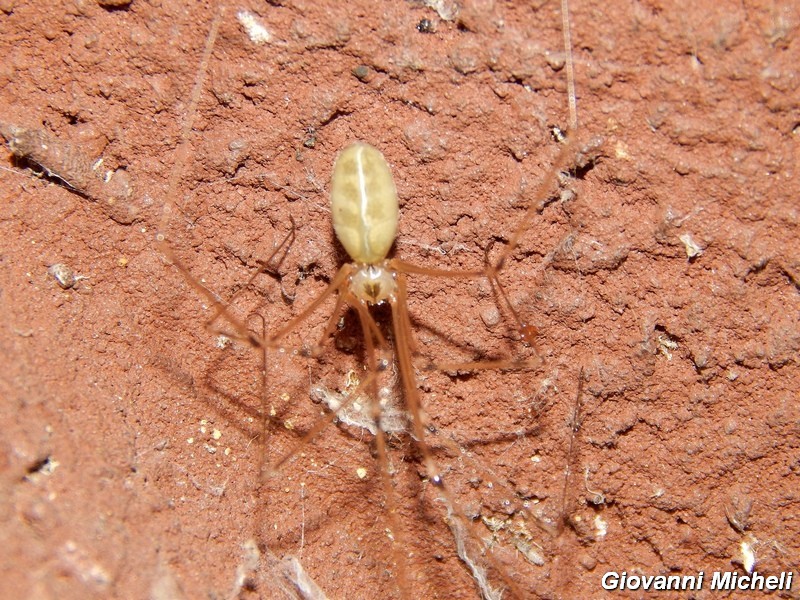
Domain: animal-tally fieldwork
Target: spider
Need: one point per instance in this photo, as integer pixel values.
(365, 211)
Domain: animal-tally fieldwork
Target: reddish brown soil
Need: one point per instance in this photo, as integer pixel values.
(113, 482)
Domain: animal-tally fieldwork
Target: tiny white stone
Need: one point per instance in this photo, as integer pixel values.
(253, 26)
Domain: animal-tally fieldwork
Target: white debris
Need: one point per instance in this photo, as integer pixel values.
(253, 27)
(693, 249)
(748, 554)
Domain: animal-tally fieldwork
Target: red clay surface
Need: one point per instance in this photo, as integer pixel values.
(131, 439)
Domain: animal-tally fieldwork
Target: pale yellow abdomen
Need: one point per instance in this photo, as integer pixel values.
(364, 203)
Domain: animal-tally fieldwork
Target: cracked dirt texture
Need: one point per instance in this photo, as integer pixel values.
(131, 446)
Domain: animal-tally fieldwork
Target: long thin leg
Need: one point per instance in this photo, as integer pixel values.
(570, 66)
(412, 269)
(367, 326)
(183, 146)
(332, 320)
(266, 267)
(220, 307)
(181, 155)
(563, 158)
(336, 285)
(402, 332)
(527, 332)
(491, 272)
(318, 427)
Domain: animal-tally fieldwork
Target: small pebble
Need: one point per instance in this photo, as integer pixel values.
(63, 275)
